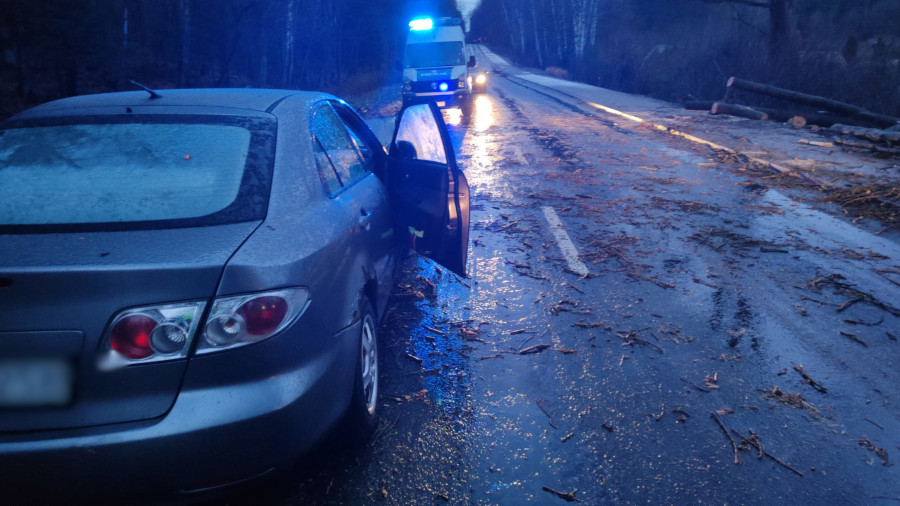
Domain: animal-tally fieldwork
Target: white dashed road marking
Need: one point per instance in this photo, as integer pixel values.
(569, 251)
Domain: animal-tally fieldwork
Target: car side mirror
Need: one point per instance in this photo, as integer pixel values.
(472, 61)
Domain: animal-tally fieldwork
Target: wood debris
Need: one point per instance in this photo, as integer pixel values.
(537, 348)
(865, 323)
(631, 338)
(853, 338)
(541, 404)
(592, 325)
(815, 384)
(840, 287)
(567, 437)
(711, 381)
(881, 452)
(608, 426)
(734, 446)
(754, 440)
(568, 496)
(698, 387)
(791, 399)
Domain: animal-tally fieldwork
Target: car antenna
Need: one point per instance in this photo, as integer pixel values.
(152, 93)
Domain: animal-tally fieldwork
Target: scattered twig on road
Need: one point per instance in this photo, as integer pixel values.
(608, 426)
(853, 338)
(537, 348)
(873, 423)
(567, 437)
(737, 455)
(521, 331)
(414, 358)
(436, 331)
(868, 324)
(848, 289)
(754, 441)
(791, 399)
(815, 384)
(849, 303)
(698, 387)
(592, 325)
(568, 496)
(622, 360)
(540, 404)
(630, 337)
(881, 452)
(573, 287)
(711, 381)
(486, 357)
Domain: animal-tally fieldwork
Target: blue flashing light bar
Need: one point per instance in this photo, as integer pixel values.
(421, 24)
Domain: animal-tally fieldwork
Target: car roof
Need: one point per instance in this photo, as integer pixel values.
(253, 99)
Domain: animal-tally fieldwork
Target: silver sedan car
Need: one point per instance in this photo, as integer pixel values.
(191, 281)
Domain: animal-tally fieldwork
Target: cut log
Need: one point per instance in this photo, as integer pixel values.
(869, 134)
(868, 146)
(737, 110)
(783, 116)
(880, 120)
(797, 122)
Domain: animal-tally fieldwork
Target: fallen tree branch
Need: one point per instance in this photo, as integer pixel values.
(815, 384)
(737, 455)
(755, 443)
(540, 404)
(568, 496)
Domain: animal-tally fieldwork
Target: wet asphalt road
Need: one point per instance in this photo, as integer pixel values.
(708, 305)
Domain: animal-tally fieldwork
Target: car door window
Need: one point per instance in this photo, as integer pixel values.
(418, 128)
(332, 143)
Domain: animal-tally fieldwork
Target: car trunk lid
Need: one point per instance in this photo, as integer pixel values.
(59, 292)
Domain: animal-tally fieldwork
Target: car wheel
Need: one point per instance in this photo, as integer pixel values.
(362, 416)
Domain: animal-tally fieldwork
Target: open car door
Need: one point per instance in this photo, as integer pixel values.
(430, 194)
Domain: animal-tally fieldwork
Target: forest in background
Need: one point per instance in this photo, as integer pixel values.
(682, 50)
(57, 48)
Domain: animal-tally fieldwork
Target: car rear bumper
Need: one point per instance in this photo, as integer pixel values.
(213, 436)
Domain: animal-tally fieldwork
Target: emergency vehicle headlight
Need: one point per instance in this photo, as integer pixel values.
(444, 87)
(421, 24)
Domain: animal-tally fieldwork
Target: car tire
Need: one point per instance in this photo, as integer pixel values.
(362, 415)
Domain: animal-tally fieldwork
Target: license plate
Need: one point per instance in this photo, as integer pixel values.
(442, 104)
(35, 382)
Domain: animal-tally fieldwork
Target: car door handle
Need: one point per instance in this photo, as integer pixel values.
(365, 219)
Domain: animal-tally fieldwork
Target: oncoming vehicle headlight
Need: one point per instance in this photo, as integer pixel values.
(481, 79)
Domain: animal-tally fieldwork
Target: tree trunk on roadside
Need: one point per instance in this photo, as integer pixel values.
(185, 42)
(782, 40)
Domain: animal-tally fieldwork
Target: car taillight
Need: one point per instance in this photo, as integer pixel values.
(151, 334)
(245, 319)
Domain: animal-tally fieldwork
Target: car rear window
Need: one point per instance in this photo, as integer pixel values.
(139, 173)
